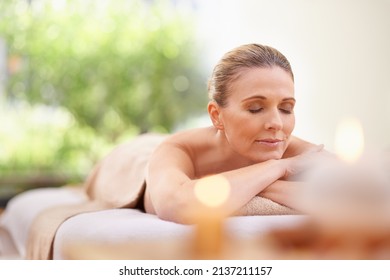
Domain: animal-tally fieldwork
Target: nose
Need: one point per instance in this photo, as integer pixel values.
(274, 121)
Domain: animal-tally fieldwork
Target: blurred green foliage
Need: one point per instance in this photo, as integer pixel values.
(111, 69)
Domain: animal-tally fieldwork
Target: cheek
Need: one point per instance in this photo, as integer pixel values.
(289, 124)
(241, 131)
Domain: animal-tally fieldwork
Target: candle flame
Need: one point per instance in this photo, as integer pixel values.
(212, 191)
(349, 143)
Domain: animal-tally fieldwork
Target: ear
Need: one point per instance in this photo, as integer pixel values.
(215, 114)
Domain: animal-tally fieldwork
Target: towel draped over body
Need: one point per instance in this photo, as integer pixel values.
(117, 181)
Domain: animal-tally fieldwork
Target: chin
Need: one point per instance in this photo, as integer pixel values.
(268, 156)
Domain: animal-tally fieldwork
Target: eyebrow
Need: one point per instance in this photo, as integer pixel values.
(264, 98)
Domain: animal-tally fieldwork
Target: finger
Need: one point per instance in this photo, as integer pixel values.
(320, 147)
(316, 148)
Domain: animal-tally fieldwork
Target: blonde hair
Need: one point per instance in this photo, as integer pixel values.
(244, 57)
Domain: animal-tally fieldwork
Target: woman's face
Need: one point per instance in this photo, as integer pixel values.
(259, 117)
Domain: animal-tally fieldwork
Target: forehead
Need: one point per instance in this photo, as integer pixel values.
(272, 82)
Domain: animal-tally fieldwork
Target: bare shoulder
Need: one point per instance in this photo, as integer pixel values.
(187, 140)
(297, 146)
(179, 150)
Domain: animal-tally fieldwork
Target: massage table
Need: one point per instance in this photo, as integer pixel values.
(111, 226)
(39, 223)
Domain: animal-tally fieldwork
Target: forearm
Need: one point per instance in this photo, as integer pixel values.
(245, 183)
(285, 193)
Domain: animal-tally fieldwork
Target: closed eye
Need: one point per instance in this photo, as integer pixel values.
(285, 111)
(286, 108)
(254, 111)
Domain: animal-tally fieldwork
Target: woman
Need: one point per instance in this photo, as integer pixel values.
(250, 143)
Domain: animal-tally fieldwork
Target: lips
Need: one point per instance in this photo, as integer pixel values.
(270, 142)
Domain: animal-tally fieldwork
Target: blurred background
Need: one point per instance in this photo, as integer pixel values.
(77, 77)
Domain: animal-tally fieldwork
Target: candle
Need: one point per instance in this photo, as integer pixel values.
(212, 193)
(352, 194)
(347, 200)
(349, 142)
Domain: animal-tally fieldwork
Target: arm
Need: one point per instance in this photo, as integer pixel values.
(171, 180)
(284, 192)
(288, 190)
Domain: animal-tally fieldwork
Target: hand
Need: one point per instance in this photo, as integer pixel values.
(305, 161)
